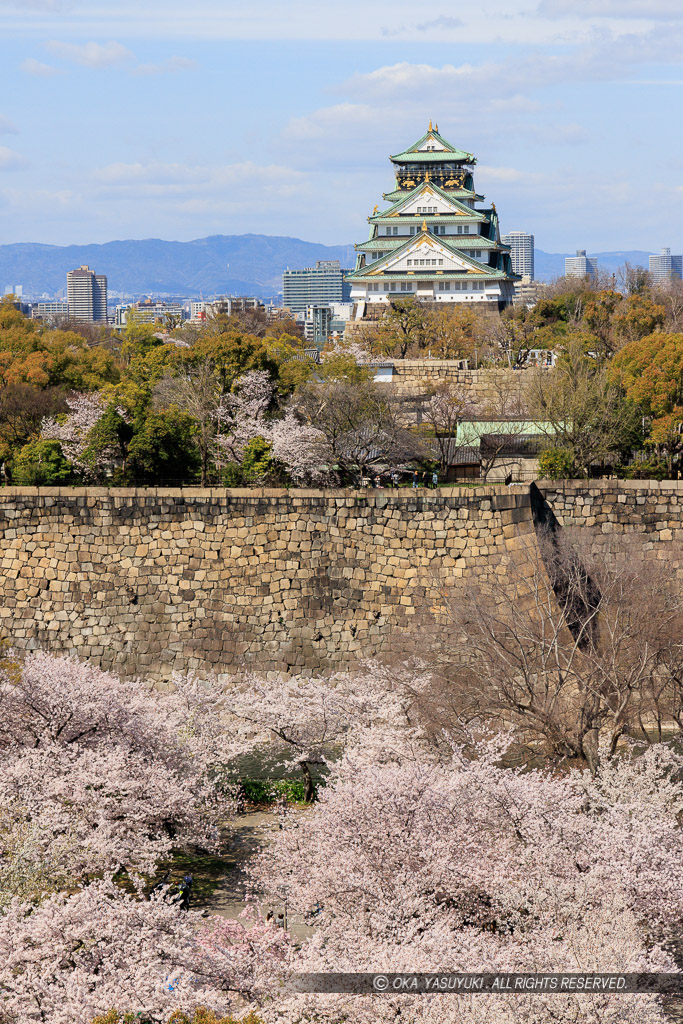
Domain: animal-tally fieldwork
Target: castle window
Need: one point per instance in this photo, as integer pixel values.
(406, 286)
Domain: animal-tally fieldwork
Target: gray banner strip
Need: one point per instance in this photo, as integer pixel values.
(500, 984)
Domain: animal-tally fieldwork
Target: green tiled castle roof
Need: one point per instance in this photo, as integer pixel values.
(405, 198)
(370, 269)
(448, 154)
(391, 241)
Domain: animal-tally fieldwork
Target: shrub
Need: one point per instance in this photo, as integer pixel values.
(266, 791)
(555, 464)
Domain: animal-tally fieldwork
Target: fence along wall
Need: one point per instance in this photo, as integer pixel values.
(154, 581)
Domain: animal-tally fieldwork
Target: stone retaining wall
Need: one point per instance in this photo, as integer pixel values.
(152, 581)
(646, 513)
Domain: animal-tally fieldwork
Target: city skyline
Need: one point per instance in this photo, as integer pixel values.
(289, 135)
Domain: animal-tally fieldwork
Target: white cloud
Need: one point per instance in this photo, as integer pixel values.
(11, 161)
(91, 55)
(327, 121)
(648, 10)
(486, 174)
(36, 67)
(39, 5)
(232, 186)
(443, 21)
(167, 67)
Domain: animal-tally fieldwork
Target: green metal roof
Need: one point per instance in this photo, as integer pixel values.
(370, 269)
(411, 155)
(471, 431)
(455, 193)
(391, 241)
(407, 197)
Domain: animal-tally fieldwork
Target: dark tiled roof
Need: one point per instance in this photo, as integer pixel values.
(461, 455)
(525, 446)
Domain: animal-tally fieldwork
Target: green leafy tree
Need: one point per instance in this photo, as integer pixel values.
(650, 369)
(257, 462)
(638, 317)
(588, 415)
(41, 464)
(163, 450)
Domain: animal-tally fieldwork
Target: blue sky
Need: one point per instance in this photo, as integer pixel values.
(162, 119)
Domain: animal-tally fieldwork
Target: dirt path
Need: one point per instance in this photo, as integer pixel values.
(248, 833)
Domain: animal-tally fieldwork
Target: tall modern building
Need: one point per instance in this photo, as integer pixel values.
(665, 266)
(430, 240)
(87, 295)
(580, 265)
(314, 286)
(521, 246)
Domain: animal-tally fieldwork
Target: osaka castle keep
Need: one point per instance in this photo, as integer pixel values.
(431, 241)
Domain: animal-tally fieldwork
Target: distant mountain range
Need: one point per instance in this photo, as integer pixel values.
(218, 265)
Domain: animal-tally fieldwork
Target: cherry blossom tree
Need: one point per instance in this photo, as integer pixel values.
(300, 447)
(74, 433)
(99, 774)
(297, 446)
(241, 415)
(470, 866)
(75, 956)
(309, 722)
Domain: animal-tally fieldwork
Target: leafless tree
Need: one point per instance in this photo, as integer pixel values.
(362, 426)
(576, 649)
(444, 412)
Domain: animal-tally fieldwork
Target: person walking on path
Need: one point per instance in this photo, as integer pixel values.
(435, 479)
(416, 479)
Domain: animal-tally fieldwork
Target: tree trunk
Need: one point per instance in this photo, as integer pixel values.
(309, 788)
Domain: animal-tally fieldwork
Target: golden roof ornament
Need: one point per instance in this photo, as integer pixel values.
(424, 226)
(427, 175)
(375, 210)
(436, 128)
(430, 125)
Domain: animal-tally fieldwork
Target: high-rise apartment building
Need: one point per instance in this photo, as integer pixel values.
(87, 295)
(314, 286)
(580, 265)
(521, 252)
(665, 266)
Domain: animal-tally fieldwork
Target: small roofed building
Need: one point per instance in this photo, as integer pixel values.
(431, 241)
(498, 451)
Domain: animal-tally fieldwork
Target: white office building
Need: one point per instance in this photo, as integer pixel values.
(666, 267)
(521, 252)
(580, 265)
